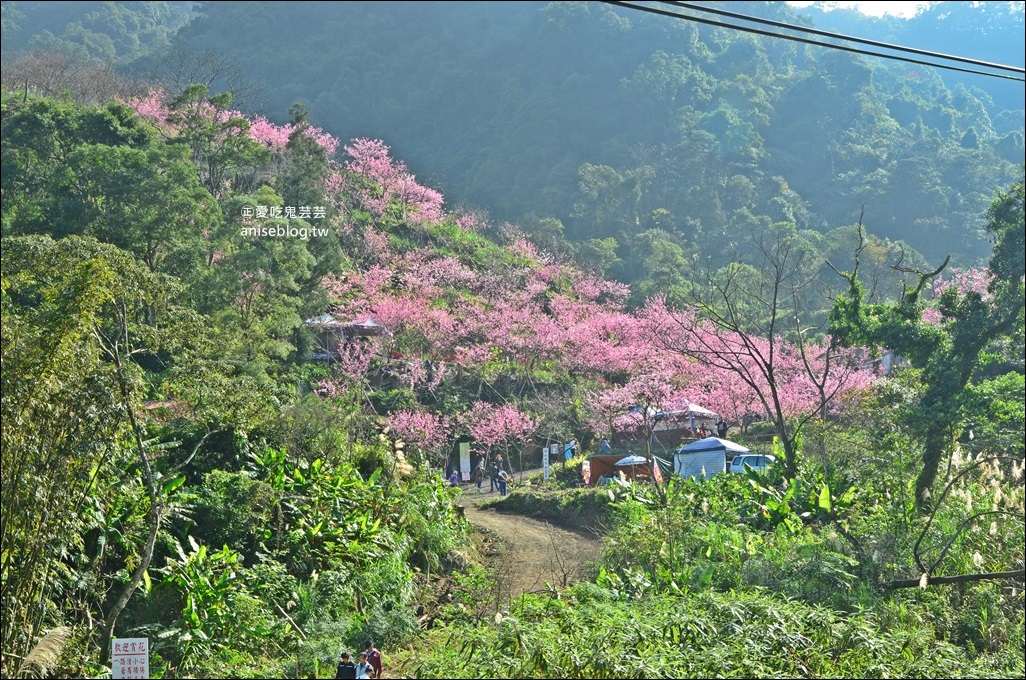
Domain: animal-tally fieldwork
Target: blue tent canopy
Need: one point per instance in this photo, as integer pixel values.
(713, 444)
(631, 460)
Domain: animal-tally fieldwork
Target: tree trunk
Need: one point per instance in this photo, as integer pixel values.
(790, 455)
(133, 582)
(156, 504)
(935, 446)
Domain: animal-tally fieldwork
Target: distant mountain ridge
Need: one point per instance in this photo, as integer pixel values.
(636, 142)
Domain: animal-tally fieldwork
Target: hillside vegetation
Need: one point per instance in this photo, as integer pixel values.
(635, 144)
(240, 352)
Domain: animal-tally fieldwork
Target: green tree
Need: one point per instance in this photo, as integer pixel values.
(101, 172)
(663, 262)
(948, 354)
(76, 317)
(218, 138)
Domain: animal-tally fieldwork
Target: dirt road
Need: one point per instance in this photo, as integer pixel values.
(532, 553)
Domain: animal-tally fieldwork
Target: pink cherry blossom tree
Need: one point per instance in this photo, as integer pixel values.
(498, 426)
(389, 184)
(429, 433)
(748, 323)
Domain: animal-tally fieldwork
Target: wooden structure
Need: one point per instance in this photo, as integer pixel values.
(668, 427)
(329, 333)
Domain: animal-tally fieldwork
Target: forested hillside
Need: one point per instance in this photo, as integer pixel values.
(214, 486)
(944, 27)
(631, 142)
(242, 350)
(113, 31)
(670, 137)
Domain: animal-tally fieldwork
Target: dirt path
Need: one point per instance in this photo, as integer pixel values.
(532, 553)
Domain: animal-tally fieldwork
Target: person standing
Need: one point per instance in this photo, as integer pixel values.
(721, 428)
(374, 658)
(346, 669)
(496, 470)
(503, 482)
(479, 474)
(364, 670)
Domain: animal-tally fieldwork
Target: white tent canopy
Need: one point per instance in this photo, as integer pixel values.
(713, 444)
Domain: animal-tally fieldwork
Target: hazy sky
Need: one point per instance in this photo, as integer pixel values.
(876, 9)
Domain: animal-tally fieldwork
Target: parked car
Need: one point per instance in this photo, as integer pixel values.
(755, 461)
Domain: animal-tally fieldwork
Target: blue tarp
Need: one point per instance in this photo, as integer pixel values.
(713, 444)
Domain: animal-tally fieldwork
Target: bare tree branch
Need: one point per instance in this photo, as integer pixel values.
(936, 506)
(944, 580)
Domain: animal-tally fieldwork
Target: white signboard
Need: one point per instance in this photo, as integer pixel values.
(465, 461)
(130, 658)
(547, 453)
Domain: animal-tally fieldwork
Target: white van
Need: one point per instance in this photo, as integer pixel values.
(755, 461)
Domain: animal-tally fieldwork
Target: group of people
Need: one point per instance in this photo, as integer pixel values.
(368, 666)
(721, 430)
(499, 478)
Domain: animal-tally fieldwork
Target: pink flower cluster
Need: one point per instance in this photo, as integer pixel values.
(153, 106)
(973, 280)
(393, 186)
(801, 379)
(429, 432)
(964, 281)
(492, 424)
(468, 221)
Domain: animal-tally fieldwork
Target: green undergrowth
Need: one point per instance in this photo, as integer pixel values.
(601, 631)
(750, 576)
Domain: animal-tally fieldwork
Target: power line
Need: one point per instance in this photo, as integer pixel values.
(854, 50)
(747, 29)
(849, 38)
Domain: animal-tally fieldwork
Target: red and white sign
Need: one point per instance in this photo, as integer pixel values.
(130, 658)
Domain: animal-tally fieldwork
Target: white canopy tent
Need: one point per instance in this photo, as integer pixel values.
(690, 416)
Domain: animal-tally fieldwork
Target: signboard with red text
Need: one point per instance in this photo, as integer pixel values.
(130, 658)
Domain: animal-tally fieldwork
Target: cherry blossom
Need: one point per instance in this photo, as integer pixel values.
(429, 432)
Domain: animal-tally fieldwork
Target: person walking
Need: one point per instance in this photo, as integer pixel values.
(346, 669)
(479, 474)
(364, 671)
(496, 469)
(374, 658)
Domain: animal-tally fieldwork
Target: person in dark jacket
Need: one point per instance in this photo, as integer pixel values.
(346, 668)
(496, 469)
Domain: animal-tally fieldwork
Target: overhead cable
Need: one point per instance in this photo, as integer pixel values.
(854, 50)
(848, 38)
